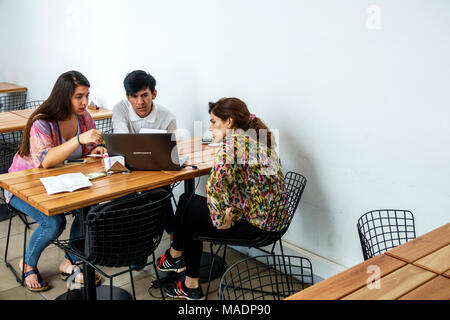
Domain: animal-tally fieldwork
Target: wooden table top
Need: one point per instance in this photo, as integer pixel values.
(6, 87)
(10, 122)
(418, 269)
(17, 120)
(27, 186)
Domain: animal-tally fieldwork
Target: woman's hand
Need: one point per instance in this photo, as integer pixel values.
(91, 136)
(227, 219)
(99, 150)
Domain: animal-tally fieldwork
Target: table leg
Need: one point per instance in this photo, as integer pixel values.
(189, 186)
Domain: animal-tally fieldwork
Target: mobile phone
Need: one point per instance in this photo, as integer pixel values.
(75, 161)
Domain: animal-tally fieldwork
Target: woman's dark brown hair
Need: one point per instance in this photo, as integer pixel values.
(237, 110)
(57, 107)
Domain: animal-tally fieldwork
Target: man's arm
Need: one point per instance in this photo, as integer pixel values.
(120, 118)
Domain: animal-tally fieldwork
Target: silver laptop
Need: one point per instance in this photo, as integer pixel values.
(145, 151)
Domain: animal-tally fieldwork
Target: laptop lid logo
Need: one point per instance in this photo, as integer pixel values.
(142, 152)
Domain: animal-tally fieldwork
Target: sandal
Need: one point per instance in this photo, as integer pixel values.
(42, 282)
(73, 276)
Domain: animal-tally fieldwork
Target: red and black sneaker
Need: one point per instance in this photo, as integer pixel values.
(180, 291)
(167, 263)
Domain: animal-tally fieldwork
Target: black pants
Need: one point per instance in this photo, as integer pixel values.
(194, 218)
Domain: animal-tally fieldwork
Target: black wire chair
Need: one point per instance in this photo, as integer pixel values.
(32, 104)
(295, 185)
(104, 125)
(20, 276)
(9, 145)
(266, 277)
(12, 101)
(384, 229)
(121, 233)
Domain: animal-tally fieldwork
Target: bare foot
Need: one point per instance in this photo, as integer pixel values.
(67, 267)
(31, 280)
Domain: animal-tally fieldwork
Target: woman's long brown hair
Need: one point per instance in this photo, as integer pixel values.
(57, 107)
(237, 110)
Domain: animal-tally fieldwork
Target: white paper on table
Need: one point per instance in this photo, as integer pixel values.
(108, 162)
(65, 183)
(145, 130)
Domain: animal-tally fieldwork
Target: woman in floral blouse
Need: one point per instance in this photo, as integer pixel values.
(245, 181)
(59, 129)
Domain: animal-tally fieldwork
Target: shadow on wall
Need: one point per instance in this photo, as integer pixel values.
(312, 227)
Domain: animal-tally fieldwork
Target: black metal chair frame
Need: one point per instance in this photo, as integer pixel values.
(12, 101)
(384, 229)
(9, 145)
(23, 217)
(295, 185)
(266, 277)
(102, 228)
(104, 125)
(32, 104)
(20, 276)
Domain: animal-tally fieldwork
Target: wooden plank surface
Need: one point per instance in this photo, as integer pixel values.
(26, 185)
(394, 285)
(348, 281)
(25, 113)
(437, 288)
(100, 114)
(6, 87)
(10, 122)
(17, 120)
(423, 245)
(446, 273)
(437, 261)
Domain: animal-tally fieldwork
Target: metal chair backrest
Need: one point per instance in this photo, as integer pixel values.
(266, 277)
(104, 125)
(126, 231)
(384, 229)
(33, 104)
(12, 101)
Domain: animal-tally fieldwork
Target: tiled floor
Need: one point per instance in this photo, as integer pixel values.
(50, 259)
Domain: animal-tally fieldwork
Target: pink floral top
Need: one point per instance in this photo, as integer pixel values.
(45, 135)
(247, 177)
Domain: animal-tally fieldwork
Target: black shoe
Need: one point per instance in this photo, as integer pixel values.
(180, 291)
(167, 263)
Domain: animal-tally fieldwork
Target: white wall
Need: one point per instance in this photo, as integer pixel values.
(363, 112)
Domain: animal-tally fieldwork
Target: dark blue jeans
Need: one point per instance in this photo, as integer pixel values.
(50, 228)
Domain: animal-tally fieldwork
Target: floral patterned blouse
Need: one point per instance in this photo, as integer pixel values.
(246, 180)
(45, 135)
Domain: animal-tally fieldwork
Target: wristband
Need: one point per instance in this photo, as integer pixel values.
(78, 138)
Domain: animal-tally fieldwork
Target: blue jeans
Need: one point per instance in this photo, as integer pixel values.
(50, 228)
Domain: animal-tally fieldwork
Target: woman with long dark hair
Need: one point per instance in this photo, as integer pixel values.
(245, 181)
(59, 129)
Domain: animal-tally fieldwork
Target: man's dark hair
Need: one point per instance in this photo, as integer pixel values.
(138, 80)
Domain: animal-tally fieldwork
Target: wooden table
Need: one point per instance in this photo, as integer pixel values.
(27, 186)
(10, 122)
(17, 120)
(6, 87)
(418, 269)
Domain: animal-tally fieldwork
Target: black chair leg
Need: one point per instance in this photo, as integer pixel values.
(157, 278)
(211, 267)
(7, 238)
(132, 283)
